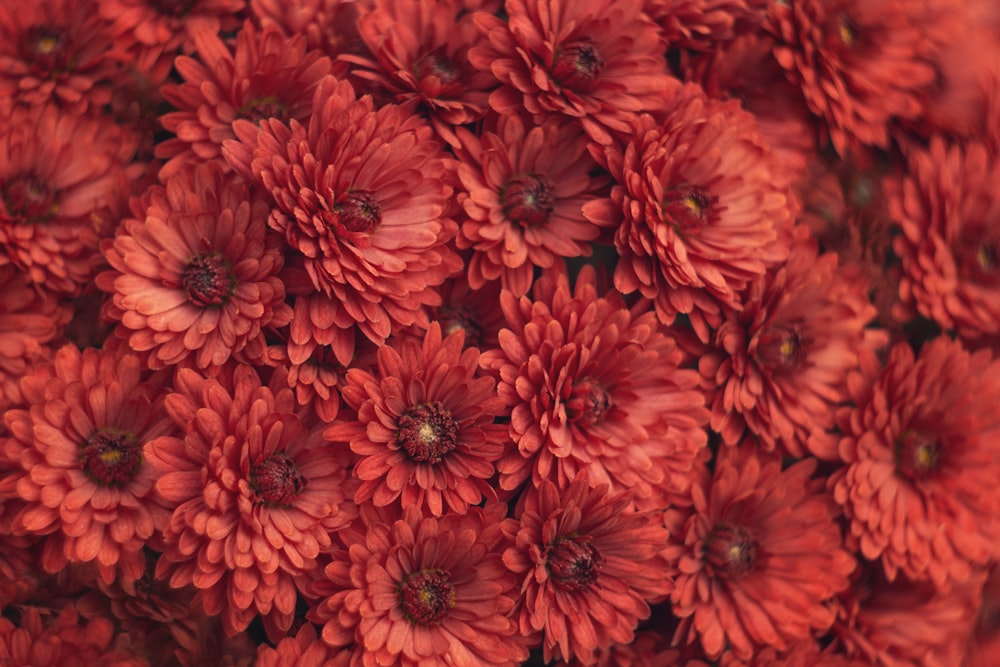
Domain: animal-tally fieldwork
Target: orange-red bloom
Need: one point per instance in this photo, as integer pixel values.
(64, 640)
(701, 24)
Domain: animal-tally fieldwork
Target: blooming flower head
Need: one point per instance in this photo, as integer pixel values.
(701, 24)
(596, 62)
(328, 25)
(83, 479)
(758, 555)
(473, 311)
(424, 431)
(194, 277)
(591, 385)
(254, 495)
(945, 205)
(422, 590)
(522, 189)
(305, 649)
(781, 364)
(419, 51)
(59, 51)
(264, 75)
(587, 564)
(919, 484)
(363, 196)
(703, 209)
(65, 640)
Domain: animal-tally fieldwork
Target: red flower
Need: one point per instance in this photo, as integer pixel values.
(919, 485)
(305, 649)
(195, 278)
(423, 591)
(598, 62)
(522, 190)
(949, 248)
(363, 195)
(587, 564)
(424, 430)
(703, 209)
(781, 364)
(701, 24)
(328, 25)
(758, 557)
(59, 51)
(264, 76)
(860, 63)
(592, 385)
(65, 641)
(253, 492)
(984, 644)
(78, 444)
(473, 311)
(420, 50)
(58, 171)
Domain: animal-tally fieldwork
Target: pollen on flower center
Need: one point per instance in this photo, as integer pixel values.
(687, 208)
(111, 456)
(590, 401)
(427, 432)
(847, 32)
(45, 45)
(208, 280)
(426, 596)
(528, 201)
(731, 550)
(781, 347)
(577, 66)
(454, 319)
(359, 211)
(573, 561)
(28, 199)
(276, 480)
(918, 454)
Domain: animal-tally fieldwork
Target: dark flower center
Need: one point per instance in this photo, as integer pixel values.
(732, 550)
(456, 318)
(528, 200)
(918, 454)
(781, 347)
(687, 208)
(208, 280)
(276, 480)
(173, 7)
(28, 199)
(263, 108)
(111, 456)
(359, 211)
(573, 561)
(426, 596)
(978, 256)
(46, 46)
(427, 432)
(847, 31)
(589, 402)
(438, 65)
(577, 65)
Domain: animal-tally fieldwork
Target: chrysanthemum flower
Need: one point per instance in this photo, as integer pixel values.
(919, 485)
(592, 385)
(758, 556)
(264, 75)
(781, 364)
(305, 649)
(703, 209)
(59, 51)
(58, 171)
(950, 249)
(860, 63)
(701, 24)
(328, 25)
(195, 277)
(424, 431)
(587, 564)
(364, 196)
(806, 653)
(983, 649)
(419, 52)
(83, 479)
(423, 591)
(597, 62)
(64, 640)
(472, 311)
(254, 496)
(523, 189)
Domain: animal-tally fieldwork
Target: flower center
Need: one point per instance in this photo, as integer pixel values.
(732, 550)
(208, 280)
(263, 108)
(111, 456)
(577, 65)
(276, 480)
(847, 31)
(45, 45)
(427, 432)
(687, 208)
(573, 561)
(359, 211)
(28, 199)
(918, 454)
(454, 319)
(978, 256)
(589, 402)
(781, 347)
(438, 65)
(173, 7)
(426, 596)
(528, 200)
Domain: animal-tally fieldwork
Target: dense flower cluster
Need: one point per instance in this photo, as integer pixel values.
(617, 333)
